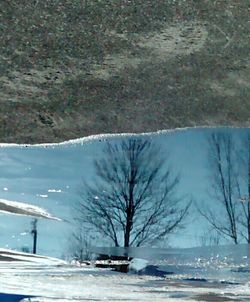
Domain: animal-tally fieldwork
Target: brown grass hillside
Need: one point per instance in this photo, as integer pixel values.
(75, 68)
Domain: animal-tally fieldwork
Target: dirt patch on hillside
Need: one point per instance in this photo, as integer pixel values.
(179, 39)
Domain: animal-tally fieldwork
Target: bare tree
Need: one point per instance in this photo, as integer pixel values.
(244, 188)
(229, 160)
(133, 200)
(224, 186)
(209, 238)
(80, 243)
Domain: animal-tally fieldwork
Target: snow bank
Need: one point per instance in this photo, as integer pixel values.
(103, 137)
(12, 256)
(19, 208)
(38, 260)
(50, 279)
(137, 264)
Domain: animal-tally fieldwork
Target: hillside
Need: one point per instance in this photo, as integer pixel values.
(75, 68)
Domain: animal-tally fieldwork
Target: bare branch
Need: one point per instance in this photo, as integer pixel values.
(133, 199)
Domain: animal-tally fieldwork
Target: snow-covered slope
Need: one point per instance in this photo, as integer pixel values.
(47, 279)
(8, 256)
(20, 208)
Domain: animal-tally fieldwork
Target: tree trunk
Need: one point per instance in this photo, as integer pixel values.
(127, 232)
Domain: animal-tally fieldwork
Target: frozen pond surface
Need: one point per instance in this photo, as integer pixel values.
(228, 262)
(66, 283)
(54, 280)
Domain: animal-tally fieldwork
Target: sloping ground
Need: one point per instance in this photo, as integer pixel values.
(55, 281)
(24, 209)
(49, 279)
(31, 259)
(75, 68)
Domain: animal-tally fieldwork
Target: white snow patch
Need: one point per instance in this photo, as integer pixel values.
(23, 233)
(31, 258)
(137, 264)
(42, 195)
(104, 137)
(54, 191)
(19, 208)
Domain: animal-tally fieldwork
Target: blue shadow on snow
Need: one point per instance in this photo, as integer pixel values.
(13, 297)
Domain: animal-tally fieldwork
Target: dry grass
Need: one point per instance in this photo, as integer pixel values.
(70, 69)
